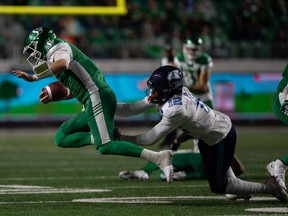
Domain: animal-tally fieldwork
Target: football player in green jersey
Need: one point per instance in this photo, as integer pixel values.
(278, 167)
(196, 67)
(49, 56)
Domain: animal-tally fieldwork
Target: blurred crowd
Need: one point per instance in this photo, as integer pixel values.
(230, 29)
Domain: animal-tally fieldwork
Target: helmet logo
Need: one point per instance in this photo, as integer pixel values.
(175, 79)
(36, 32)
(173, 75)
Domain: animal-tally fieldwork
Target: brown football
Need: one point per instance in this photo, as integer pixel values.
(56, 91)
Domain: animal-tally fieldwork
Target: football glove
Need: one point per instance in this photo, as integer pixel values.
(284, 107)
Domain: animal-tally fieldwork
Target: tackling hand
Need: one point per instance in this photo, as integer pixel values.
(25, 76)
(284, 107)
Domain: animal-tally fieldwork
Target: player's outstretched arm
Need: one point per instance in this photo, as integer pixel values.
(24, 75)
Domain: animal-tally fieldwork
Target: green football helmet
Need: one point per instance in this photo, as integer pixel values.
(192, 48)
(37, 43)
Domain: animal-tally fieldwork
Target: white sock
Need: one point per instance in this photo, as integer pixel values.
(230, 173)
(238, 186)
(150, 155)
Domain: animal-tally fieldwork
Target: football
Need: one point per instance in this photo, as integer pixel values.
(56, 91)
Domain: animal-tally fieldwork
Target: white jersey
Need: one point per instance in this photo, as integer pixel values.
(189, 114)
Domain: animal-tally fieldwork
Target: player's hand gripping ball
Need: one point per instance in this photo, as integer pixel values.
(55, 91)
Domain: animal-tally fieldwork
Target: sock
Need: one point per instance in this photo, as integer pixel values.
(150, 155)
(150, 167)
(230, 173)
(238, 186)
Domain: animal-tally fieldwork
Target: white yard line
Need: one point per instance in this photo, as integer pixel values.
(34, 189)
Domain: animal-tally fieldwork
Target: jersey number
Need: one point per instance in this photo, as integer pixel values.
(175, 101)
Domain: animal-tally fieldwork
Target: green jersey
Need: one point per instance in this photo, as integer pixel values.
(83, 78)
(276, 104)
(192, 68)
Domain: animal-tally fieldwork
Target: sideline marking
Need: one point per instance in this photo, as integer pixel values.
(270, 210)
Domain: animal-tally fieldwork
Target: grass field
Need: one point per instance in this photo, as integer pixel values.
(39, 178)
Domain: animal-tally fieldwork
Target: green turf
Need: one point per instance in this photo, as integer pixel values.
(32, 159)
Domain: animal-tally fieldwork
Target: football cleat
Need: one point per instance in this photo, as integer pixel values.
(277, 168)
(165, 164)
(180, 175)
(245, 197)
(137, 174)
(276, 189)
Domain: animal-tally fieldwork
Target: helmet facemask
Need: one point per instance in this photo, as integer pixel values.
(35, 57)
(156, 95)
(37, 43)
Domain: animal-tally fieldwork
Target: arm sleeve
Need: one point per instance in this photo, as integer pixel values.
(130, 109)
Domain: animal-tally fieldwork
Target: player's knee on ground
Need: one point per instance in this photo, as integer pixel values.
(218, 189)
(104, 149)
(60, 139)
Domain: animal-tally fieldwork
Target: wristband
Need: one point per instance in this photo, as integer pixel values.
(35, 78)
(42, 70)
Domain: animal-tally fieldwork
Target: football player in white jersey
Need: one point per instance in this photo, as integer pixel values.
(187, 163)
(179, 108)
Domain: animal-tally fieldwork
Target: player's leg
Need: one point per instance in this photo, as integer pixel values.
(237, 165)
(74, 133)
(100, 109)
(218, 160)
